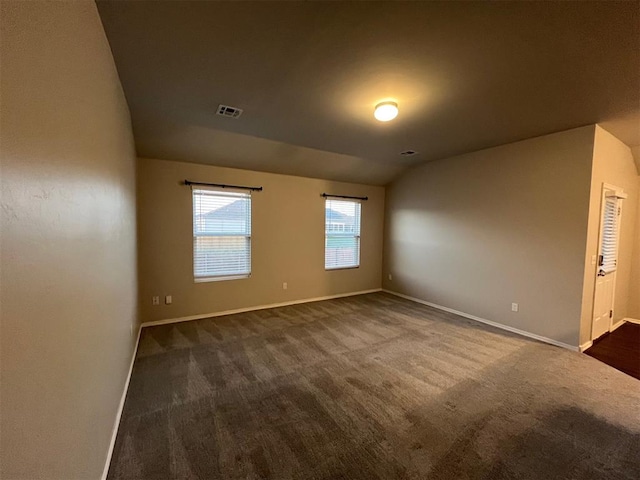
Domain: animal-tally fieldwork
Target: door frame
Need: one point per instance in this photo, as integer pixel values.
(619, 193)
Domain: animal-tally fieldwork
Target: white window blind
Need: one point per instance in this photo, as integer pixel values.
(221, 234)
(609, 246)
(342, 234)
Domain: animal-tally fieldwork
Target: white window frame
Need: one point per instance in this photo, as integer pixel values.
(221, 192)
(356, 234)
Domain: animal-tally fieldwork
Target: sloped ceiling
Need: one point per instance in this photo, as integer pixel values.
(466, 76)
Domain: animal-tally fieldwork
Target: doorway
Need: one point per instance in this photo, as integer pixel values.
(607, 260)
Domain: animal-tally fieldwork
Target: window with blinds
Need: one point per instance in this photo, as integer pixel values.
(221, 234)
(609, 245)
(342, 234)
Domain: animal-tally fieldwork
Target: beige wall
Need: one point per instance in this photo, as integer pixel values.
(508, 224)
(634, 282)
(68, 278)
(612, 164)
(287, 240)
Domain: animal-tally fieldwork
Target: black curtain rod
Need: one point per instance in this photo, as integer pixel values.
(344, 196)
(222, 185)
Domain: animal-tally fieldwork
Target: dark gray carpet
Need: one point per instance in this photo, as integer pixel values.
(370, 387)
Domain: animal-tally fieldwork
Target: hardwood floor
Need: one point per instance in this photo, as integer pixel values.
(620, 349)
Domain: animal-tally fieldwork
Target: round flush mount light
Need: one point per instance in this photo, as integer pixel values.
(386, 111)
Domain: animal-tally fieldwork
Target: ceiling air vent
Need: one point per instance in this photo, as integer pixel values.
(408, 153)
(227, 111)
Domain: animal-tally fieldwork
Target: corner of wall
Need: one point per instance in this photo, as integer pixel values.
(589, 270)
(451, 239)
(635, 151)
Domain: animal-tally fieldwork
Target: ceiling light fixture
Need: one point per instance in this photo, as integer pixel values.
(386, 111)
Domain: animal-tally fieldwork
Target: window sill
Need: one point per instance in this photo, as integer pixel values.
(219, 279)
(340, 268)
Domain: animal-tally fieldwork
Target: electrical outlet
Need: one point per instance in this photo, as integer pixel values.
(515, 307)
(390, 277)
(156, 301)
(284, 285)
(168, 300)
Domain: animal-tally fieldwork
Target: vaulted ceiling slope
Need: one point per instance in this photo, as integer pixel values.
(466, 76)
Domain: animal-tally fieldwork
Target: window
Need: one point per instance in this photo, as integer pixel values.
(609, 245)
(342, 234)
(221, 235)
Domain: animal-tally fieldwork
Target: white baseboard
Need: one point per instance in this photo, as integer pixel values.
(116, 424)
(251, 309)
(617, 325)
(586, 345)
(611, 329)
(488, 322)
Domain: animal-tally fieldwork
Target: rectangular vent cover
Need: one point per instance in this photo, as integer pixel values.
(227, 111)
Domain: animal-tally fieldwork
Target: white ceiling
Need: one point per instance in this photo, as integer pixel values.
(466, 76)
